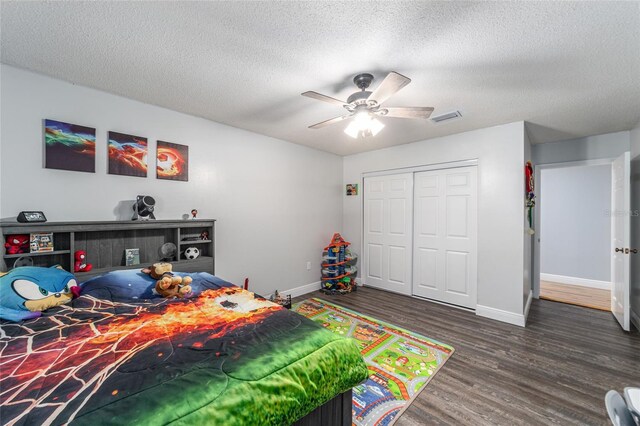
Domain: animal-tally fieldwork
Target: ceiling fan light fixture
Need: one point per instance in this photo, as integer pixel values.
(352, 129)
(375, 126)
(362, 117)
(363, 125)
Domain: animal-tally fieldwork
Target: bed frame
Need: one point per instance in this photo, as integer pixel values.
(105, 243)
(335, 412)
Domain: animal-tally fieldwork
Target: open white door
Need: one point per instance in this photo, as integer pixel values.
(620, 232)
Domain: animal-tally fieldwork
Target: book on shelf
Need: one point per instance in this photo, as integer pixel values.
(40, 242)
(132, 256)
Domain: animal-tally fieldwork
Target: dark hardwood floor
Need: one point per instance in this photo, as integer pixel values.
(555, 371)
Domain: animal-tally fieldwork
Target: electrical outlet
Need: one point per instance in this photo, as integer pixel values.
(308, 266)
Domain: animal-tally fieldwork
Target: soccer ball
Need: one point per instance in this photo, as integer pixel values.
(191, 253)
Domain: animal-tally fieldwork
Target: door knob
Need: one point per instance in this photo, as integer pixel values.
(634, 251)
(621, 250)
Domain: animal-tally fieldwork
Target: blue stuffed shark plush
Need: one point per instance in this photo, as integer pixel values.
(28, 290)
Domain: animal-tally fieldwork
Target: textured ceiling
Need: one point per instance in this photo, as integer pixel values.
(568, 69)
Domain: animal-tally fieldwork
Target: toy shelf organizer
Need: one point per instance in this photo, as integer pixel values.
(338, 267)
(106, 241)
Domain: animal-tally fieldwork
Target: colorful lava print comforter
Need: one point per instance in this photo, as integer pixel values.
(118, 356)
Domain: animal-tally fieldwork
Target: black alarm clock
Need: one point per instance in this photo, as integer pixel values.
(28, 217)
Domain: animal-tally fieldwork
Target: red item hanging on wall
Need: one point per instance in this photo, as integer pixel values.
(528, 173)
(530, 196)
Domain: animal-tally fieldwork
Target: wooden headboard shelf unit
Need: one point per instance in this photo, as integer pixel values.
(105, 243)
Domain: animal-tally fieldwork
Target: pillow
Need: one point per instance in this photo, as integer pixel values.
(26, 291)
(134, 284)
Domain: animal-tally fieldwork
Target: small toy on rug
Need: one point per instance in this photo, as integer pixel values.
(168, 285)
(17, 244)
(81, 264)
(281, 300)
(339, 286)
(28, 290)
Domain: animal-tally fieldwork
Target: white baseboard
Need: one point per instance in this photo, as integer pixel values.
(635, 319)
(583, 282)
(500, 315)
(527, 305)
(299, 291)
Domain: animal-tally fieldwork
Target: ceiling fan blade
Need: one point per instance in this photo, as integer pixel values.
(325, 98)
(391, 84)
(408, 112)
(330, 121)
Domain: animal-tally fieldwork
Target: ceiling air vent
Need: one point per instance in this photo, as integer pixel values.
(446, 117)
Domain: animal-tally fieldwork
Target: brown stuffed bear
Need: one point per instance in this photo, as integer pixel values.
(168, 285)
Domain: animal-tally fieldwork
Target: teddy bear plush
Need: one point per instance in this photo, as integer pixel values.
(81, 264)
(168, 285)
(17, 244)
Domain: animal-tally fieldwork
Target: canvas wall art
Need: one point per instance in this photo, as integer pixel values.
(172, 161)
(127, 155)
(69, 146)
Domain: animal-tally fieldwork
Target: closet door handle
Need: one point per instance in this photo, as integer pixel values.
(634, 251)
(621, 250)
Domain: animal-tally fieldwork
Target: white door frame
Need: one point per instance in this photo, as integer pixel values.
(537, 226)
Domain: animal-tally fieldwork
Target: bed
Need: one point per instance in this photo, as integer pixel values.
(119, 355)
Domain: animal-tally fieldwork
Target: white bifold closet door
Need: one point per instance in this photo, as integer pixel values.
(388, 227)
(445, 235)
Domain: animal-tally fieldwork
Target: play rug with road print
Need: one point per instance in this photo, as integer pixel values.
(400, 362)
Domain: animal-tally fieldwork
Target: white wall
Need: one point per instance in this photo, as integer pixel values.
(277, 203)
(500, 153)
(609, 145)
(635, 225)
(575, 239)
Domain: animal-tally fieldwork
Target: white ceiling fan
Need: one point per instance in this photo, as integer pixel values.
(365, 107)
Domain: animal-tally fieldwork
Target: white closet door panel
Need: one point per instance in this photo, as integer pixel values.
(457, 275)
(427, 272)
(376, 216)
(426, 268)
(428, 208)
(398, 216)
(397, 264)
(445, 235)
(374, 267)
(457, 216)
(388, 225)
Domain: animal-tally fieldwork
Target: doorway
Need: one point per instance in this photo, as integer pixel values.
(575, 233)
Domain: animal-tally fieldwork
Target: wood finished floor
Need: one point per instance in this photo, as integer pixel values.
(594, 298)
(555, 371)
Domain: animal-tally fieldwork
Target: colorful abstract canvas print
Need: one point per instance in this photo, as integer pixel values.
(127, 155)
(172, 161)
(69, 147)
